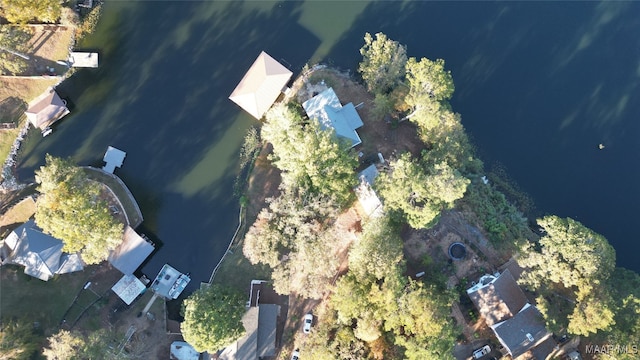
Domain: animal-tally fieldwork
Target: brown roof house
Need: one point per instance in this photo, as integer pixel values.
(518, 325)
(46, 109)
(39, 253)
(261, 85)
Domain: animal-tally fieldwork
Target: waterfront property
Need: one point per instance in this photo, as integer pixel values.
(46, 109)
(169, 283)
(131, 253)
(517, 324)
(261, 85)
(39, 253)
(326, 108)
(260, 322)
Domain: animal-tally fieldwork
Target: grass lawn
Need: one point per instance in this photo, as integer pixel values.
(15, 94)
(19, 213)
(27, 298)
(236, 271)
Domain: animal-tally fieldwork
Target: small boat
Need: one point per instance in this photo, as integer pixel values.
(47, 131)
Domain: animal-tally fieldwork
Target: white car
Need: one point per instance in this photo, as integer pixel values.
(295, 355)
(477, 354)
(308, 319)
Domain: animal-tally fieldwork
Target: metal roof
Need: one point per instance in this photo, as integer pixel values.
(326, 108)
(261, 85)
(128, 288)
(131, 253)
(40, 254)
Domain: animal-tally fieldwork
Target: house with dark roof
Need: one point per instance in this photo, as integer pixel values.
(524, 333)
(261, 85)
(261, 326)
(39, 253)
(326, 109)
(517, 324)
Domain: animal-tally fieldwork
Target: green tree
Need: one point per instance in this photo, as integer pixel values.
(290, 236)
(419, 195)
(66, 193)
(64, 345)
(13, 40)
(24, 11)
(430, 88)
(309, 157)
(624, 288)
(383, 63)
(19, 340)
(378, 251)
(213, 318)
(99, 344)
(573, 260)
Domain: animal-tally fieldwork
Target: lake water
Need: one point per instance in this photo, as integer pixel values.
(539, 86)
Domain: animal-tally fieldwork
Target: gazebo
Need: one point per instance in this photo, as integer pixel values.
(46, 109)
(261, 85)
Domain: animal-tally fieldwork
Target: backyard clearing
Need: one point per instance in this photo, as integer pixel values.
(17, 214)
(48, 44)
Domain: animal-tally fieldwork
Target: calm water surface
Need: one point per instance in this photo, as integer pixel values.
(539, 86)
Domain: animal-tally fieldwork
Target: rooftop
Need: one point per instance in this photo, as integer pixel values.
(326, 108)
(46, 109)
(128, 288)
(522, 332)
(113, 158)
(497, 298)
(261, 85)
(131, 253)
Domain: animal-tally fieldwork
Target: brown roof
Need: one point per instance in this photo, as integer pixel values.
(499, 300)
(46, 109)
(261, 85)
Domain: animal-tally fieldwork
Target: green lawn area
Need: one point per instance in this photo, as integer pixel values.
(19, 213)
(30, 299)
(129, 204)
(236, 271)
(15, 94)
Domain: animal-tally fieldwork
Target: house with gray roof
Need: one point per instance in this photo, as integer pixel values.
(261, 325)
(326, 108)
(524, 333)
(131, 253)
(517, 324)
(39, 253)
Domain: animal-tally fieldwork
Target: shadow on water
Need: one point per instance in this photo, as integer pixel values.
(161, 96)
(539, 87)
